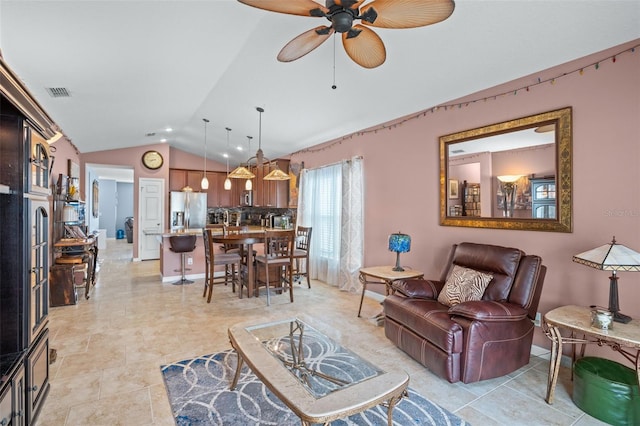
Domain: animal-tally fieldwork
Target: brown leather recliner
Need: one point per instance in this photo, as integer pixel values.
(473, 340)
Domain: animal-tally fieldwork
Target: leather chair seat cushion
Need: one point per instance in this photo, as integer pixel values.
(426, 318)
(273, 260)
(489, 311)
(299, 253)
(226, 258)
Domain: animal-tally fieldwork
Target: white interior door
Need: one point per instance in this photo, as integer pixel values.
(150, 220)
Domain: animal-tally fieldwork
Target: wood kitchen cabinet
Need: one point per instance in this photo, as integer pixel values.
(272, 193)
(177, 179)
(217, 196)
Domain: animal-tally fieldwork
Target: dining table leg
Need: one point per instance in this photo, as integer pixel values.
(251, 273)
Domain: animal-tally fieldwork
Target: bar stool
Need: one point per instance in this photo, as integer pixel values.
(182, 244)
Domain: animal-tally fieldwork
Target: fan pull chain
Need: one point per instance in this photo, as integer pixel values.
(334, 87)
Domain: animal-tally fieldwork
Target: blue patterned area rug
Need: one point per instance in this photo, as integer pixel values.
(199, 394)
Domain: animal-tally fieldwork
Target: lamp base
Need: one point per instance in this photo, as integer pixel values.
(618, 317)
(614, 306)
(398, 268)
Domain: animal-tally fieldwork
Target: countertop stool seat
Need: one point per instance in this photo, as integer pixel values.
(182, 244)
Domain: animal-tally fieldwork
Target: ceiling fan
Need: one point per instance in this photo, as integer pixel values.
(361, 43)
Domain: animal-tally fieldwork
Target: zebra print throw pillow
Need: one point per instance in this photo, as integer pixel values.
(463, 285)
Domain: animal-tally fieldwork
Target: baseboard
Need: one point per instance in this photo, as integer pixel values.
(375, 296)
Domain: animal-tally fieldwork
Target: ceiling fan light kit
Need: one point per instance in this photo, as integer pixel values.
(361, 43)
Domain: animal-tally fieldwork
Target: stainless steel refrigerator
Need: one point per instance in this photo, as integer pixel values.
(188, 210)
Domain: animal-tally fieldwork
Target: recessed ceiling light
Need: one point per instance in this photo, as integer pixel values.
(225, 155)
(163, 140)
(240, 148)
(169, 129)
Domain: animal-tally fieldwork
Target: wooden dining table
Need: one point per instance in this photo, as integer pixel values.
(248, 239)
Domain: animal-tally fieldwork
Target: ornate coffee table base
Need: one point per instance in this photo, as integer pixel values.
(289, 377)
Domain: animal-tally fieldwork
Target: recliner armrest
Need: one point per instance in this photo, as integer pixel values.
(418, 288)
(486, 310)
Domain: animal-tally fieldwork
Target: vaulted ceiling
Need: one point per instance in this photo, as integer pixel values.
(134, 68)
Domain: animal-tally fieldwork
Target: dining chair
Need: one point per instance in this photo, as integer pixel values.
(235, 248)
(217, 259)
(301, 252)
(278, 256)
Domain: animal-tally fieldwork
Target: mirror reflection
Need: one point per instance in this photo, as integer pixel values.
(515, 174)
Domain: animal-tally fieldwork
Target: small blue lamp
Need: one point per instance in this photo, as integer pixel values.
(399, 243)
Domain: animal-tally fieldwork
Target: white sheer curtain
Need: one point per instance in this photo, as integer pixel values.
(331, 202)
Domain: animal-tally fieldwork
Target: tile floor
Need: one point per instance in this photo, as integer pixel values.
(111, 346)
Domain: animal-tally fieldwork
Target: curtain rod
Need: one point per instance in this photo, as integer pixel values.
(357, 157)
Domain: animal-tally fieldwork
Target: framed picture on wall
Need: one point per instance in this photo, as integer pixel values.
(95, 197)
(74, 169)
(453, 189)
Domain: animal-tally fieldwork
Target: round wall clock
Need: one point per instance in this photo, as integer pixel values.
(152, 160)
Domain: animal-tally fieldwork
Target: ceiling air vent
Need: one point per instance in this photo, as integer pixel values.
(58, 92)
(457, 151)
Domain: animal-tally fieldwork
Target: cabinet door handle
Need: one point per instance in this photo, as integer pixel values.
(34, 388)
(4, 422)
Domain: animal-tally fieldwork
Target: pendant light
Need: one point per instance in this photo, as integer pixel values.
(242, 172)
(227, 181)
(248, 185)
(275, 174)
(204, 184)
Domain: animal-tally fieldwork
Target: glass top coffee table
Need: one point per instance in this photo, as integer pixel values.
(317, 378)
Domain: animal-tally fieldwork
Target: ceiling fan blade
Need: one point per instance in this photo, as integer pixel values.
(292, 7)
(364, 46)
(406, 13)
(304, 43)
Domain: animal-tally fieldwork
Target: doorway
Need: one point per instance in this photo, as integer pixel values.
(109, 201)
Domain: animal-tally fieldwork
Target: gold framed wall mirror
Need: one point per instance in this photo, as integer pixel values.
(515, 174)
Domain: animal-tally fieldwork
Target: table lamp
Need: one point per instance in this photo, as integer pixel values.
(612, 257)
(400, 243)
(508, 186)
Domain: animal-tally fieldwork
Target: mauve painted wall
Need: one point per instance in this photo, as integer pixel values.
(184, 160)
(401, 166)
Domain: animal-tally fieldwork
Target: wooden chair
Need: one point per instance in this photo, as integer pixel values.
(234, 248)
(213, 260)
(301, 251)
(278, 253)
